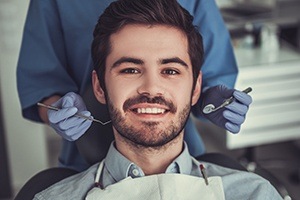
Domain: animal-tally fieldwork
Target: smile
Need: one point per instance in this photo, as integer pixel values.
(149, 110)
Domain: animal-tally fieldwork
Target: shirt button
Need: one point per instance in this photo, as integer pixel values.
(135, 172)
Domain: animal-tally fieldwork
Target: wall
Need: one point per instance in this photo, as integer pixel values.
(26, 141)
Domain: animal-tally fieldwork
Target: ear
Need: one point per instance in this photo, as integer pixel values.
(98, 91)
(197, 89)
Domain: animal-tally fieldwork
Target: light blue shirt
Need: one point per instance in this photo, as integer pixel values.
(237, 184)
(117, 167)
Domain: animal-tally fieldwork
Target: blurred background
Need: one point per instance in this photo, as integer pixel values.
(266, 39)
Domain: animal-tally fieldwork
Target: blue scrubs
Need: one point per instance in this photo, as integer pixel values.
(55, 57)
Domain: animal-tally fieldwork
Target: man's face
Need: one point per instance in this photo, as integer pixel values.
(149, 84)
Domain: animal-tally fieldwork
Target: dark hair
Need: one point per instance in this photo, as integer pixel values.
(147, 12)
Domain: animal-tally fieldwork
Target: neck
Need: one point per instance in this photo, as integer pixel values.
(151, 160)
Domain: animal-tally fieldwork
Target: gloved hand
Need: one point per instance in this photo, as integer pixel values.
(231, 116)
(64, 122)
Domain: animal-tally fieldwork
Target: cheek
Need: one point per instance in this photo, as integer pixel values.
(183, 95)
(118, 93)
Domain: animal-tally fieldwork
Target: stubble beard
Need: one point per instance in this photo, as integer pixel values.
(148, 135)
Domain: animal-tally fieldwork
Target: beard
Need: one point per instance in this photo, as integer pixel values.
(148, 134)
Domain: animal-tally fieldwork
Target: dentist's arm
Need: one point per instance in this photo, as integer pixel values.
(63, 121)
(232, 116)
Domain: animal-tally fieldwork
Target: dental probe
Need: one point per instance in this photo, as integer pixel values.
(211, 108)
(77, 114)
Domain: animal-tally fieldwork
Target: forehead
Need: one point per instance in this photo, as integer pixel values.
(156, 39)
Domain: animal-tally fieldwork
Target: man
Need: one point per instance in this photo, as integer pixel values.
(147, 57)
(55, 59)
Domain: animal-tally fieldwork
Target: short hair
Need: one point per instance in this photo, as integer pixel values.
(146, 12)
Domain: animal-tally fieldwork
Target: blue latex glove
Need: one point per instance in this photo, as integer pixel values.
(64, 122)
(231, 116)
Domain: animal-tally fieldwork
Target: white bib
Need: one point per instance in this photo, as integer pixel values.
(160, 187)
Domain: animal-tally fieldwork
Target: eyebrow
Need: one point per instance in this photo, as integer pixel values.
(140, 62)
(127, 60)
(173, 60)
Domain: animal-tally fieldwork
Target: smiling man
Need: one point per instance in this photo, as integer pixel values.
(147, 57)
(149, 89)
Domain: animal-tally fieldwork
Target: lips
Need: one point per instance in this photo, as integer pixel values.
(151, 106)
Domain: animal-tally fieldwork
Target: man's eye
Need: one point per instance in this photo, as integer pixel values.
(129, 71)
(170, 72)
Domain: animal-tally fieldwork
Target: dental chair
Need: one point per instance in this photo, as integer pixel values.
(48, 177)
(86, 144)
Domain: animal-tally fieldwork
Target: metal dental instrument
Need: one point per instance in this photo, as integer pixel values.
(211, 108)
(204, 174)
(77, 114)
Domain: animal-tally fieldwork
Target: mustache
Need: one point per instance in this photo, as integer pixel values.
(154, 100)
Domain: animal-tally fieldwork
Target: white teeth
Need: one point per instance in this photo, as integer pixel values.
(150, 110)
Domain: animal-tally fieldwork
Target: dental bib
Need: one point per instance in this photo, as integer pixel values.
(160, 187)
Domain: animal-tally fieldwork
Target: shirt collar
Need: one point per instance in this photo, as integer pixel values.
(183, 161)
(116, 164)
(119, 167)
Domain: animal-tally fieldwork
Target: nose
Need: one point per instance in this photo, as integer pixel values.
(151, 85)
